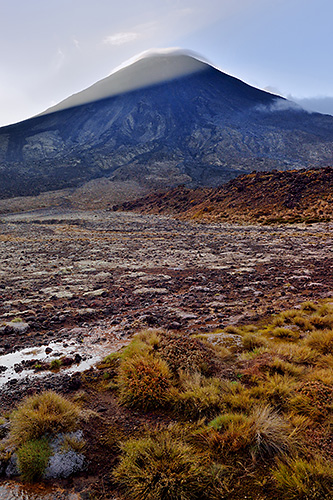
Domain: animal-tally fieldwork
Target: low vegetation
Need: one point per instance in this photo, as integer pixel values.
(214, 419)
(269, 198)
(263, 405)
(45, 414)
(163, 466)
(36, 421)
(33, 457)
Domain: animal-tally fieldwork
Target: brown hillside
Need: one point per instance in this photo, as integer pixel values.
(263, 197)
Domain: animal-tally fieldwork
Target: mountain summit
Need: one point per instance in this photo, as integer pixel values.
(165, 119)
(149, 68)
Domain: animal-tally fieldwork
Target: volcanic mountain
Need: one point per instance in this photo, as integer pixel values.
(167, 118)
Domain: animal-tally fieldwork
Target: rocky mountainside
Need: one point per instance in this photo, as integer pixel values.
(188, 124)
(265, 197)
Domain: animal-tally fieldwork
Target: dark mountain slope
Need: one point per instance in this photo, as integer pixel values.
(199, 129)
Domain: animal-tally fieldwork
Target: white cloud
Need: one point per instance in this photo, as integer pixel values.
(279, 105)
(121, 38)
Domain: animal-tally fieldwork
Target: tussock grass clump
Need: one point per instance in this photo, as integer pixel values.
(44, 414)
(197, 396)
(144, 382)
(285, 333)
(73, 443)
(309, 307)
(321, 322)
(321, 341)
(275, 390)
(285, 317)
(251, 342)
(33, 457)
(298, 354)
(163, 467)
(299, 479)
(314, 399)
(184, 353)
(273, 435)
(144, 342)
(231, 433)
(285, 368)
(235, 397)
(262, 434)
(324, 375)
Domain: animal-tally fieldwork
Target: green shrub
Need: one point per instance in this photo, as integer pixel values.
(144, 382)
(47, 413)
(33, 457)
(163, 467)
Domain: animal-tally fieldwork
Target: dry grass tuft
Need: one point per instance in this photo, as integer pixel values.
(144, 382)
(44, 414)
(273, 435)
(163, 467)
(197, 396)
(262, 434)
(299, 479)
(321, 341)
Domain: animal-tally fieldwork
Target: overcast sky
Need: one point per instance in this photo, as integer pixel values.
(51, 49)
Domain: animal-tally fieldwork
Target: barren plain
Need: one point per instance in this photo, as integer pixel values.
(68, 274)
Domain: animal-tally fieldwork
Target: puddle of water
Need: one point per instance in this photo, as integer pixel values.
(92, 348)
(58, 350)
(13, 491)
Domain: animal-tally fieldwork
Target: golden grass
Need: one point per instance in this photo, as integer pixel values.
(300, 479)
(196, 396)
(162, 466)
(261, 434)
(144, 382)
(44, 414)
(321, 341)
(279, 409)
